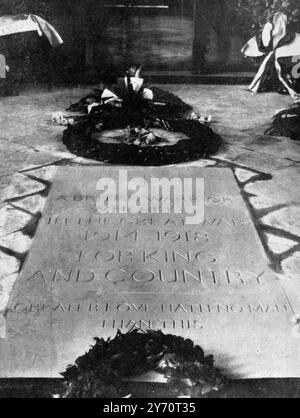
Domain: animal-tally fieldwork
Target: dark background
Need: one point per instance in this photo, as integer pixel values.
(102, 39)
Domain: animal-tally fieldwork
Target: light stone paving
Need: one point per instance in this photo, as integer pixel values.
(6, 287)
(21, 186)
(244, 175)
(45, 173)
(200, 164)
(8, 265)
(12, 220)
(287, 219)
(291, 266)
(32, 204)
(17, 242)
(283, 188)
(279, 245)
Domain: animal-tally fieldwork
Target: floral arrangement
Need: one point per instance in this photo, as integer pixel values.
(129, 96)
(103, 371)
(141, 114)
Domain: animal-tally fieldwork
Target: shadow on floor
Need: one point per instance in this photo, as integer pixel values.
(263, 388)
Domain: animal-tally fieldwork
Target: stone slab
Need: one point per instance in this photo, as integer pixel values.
(88, 275)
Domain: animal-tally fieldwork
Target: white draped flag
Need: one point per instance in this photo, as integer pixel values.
(28, 23)
(275, 44)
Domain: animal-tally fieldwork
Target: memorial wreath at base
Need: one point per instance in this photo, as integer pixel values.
(101, 372)
(129, 124)
(286, 122)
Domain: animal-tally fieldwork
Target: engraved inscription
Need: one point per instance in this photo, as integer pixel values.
(89, 275)
(202, 278)
(195, 309)
(96, 220)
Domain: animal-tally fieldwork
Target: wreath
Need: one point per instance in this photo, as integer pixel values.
(102, 371)
(286, 122)
(140, 118)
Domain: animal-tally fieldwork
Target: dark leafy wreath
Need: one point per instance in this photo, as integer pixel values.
(166, 111)
(286, 123)
(100, 372)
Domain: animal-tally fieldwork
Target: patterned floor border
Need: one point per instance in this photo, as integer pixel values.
(25, 204)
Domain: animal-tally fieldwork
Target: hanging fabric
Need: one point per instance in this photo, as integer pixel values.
(275, 43)
(27, 23)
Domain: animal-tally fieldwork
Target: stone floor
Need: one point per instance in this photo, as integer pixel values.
(266, 168)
